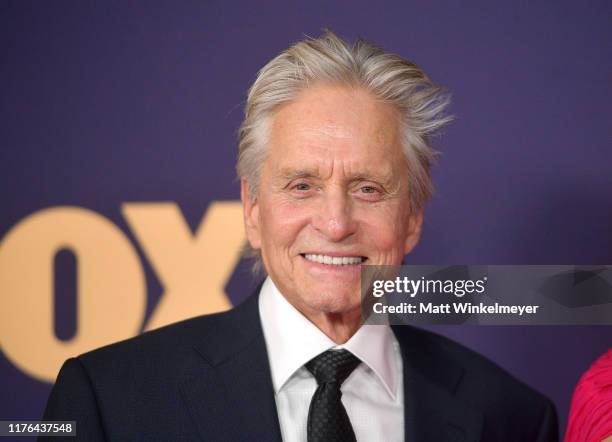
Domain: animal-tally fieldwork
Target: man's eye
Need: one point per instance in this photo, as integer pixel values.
(302, 186)
(369, 189)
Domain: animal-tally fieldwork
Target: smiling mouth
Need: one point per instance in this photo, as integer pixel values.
(335, 260)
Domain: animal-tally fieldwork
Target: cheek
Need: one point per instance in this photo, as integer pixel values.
(383, 230)
(283, 222)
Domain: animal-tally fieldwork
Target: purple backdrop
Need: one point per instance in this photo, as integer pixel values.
(103, 103)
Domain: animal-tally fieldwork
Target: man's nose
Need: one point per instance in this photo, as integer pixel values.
(335, 216)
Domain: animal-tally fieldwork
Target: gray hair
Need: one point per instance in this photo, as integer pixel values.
(331, 60)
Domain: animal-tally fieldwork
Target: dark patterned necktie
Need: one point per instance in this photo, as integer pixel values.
(327, 418)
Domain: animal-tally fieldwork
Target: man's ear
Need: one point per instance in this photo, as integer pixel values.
(414, 231)
(250, 211)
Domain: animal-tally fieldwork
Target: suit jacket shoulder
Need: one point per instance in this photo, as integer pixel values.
(456, 390)
(205, 378)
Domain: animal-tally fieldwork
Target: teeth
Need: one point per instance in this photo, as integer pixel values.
(334, 260)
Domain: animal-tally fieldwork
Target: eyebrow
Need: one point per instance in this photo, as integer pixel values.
(292, 174)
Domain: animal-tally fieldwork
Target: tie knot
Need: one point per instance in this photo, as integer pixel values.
(333, 366)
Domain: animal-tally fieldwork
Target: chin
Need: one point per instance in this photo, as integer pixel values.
(336, 303)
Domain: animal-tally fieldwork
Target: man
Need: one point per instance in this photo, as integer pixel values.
(334, 166)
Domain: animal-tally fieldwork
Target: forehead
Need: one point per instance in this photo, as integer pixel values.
(326, 125)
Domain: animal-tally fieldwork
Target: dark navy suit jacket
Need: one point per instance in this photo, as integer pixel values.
(208, 379)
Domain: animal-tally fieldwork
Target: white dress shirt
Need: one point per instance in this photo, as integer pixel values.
(373, 394)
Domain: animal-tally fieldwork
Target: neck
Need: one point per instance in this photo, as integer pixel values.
(339, 327)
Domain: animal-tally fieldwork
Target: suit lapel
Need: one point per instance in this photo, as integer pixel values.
(233, 398)
(431, 410)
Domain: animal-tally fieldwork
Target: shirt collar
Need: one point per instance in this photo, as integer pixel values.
(292, 340)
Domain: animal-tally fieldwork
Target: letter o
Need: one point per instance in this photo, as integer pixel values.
(110, 287)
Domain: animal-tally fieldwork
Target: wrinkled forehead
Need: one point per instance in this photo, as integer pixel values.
(333, 127)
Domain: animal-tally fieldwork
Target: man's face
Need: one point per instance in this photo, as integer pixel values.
(333, 195)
